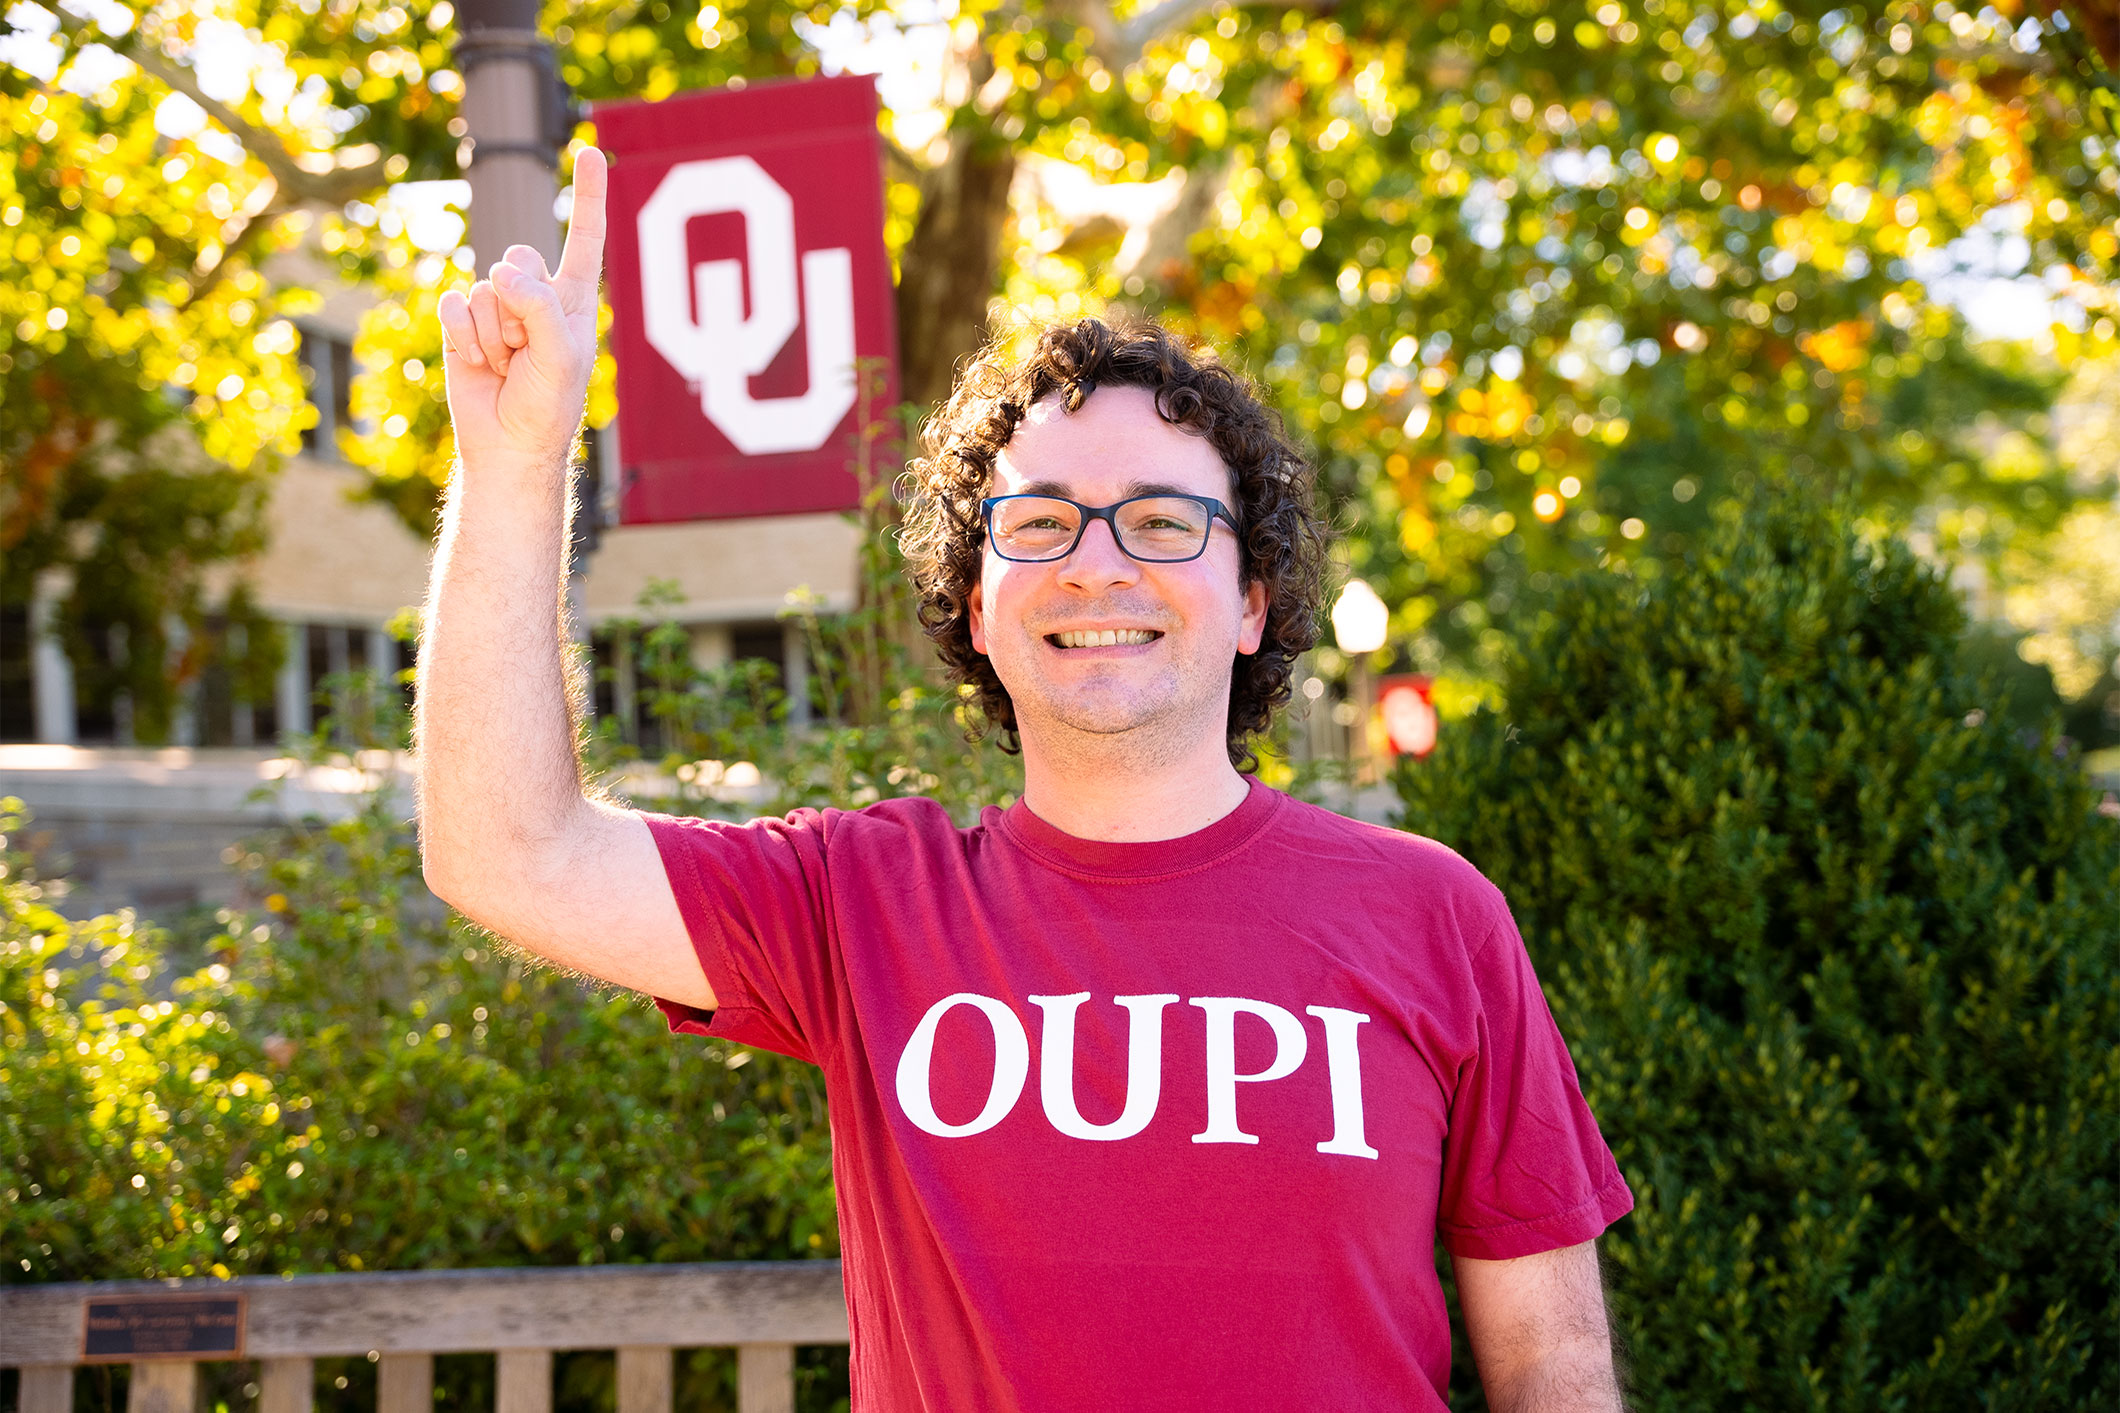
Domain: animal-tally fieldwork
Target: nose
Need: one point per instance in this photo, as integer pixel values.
(1097, 562)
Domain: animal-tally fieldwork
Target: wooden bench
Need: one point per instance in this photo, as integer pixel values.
(521, 1315)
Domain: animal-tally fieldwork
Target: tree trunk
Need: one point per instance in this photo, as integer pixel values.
(946, 272)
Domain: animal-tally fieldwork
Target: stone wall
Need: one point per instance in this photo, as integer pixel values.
(159, 830)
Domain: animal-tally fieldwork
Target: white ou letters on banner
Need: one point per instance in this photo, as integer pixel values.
(693, 315)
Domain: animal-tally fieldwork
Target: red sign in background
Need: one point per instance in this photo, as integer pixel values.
(1406, 701)
(717, 411)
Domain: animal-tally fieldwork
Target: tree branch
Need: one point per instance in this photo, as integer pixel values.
(296, 184)
(1117, 45)
(1156, 21)
(237, 233)
(899, 163)
(1105, 40)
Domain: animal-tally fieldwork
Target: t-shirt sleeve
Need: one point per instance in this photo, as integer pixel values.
(754, 900)
(1525, 1169)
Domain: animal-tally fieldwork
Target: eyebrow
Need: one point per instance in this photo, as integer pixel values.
(1133, 488)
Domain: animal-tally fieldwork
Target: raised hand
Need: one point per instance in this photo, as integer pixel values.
(519, 348)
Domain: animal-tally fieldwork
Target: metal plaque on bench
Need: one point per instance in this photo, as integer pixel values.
(120, 1329)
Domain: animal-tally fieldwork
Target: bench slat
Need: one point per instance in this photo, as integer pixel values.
(522, 1381)
(644, 1379)
(404, 1383)
(286, 1385)
(765, 1378)
(474, 1311)
(163, 1386)
(47, 1388)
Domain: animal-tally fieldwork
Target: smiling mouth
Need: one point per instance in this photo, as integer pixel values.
(1104, 638)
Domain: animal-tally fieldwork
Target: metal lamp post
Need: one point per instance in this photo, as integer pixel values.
(1360, 621)
(516, 119)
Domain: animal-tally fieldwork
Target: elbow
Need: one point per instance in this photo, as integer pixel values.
(461, 889)
(487, 879)
(447, 864)
(454, 852)
(443, 880)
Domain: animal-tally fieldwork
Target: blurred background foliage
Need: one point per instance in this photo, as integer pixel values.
(1835, 941)
(1542, 284)
(347, 1077)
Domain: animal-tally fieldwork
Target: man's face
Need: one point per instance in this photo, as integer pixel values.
(1197, 619)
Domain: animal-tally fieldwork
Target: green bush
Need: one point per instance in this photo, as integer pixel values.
(1834, 946)
(356, 1082)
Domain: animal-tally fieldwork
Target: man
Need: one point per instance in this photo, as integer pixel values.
(1276, 1051)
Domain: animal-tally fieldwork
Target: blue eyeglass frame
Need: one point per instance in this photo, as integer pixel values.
(1108, 514)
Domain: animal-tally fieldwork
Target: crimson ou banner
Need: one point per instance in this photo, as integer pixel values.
(747, 275)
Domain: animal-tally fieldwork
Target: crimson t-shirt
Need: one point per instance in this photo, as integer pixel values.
(1168, 1124)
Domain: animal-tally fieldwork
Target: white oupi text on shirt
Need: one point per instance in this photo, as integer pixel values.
(1144, 1067)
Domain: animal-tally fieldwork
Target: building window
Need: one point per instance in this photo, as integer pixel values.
(222, 717)
(102, 706)
(761, 642)
(18, 715)
(624, 692)
(327, 371)
(616, 690)
(344, 680)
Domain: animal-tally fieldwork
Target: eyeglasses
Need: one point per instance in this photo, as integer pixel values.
(1162, 529)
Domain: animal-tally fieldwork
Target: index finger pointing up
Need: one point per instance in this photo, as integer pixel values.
(582, 262)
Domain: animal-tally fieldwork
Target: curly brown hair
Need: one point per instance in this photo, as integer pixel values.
(1284, 541)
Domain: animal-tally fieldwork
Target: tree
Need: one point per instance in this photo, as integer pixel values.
(1541, 284)
(1834, 944)
(1547, 284)
(138, 396)
(148, 370)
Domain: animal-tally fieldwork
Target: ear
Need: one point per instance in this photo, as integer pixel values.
(976, 603)
(1251, 629)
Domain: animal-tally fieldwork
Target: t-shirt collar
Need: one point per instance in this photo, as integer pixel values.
(1141, 860)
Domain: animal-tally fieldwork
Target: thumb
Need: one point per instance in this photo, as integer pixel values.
(526, 297)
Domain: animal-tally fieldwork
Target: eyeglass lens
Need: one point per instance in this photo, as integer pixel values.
(1150, 528)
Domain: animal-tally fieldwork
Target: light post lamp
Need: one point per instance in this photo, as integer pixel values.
(1359, 622)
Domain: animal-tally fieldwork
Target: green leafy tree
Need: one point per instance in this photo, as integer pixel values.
(139, 399)
(148, 375)
(1546, 284)
(1834, 944)
(1533, 279)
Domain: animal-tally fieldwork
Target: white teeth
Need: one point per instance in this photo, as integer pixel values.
(1106, 638)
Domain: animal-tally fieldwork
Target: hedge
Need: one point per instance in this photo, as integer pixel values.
(1834, 946)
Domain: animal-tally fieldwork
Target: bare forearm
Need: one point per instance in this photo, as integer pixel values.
(501, 809)
(498, 770)
(1566, 1379)
(1539, 1331)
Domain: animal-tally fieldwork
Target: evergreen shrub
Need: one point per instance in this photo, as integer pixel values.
(1834, 947)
